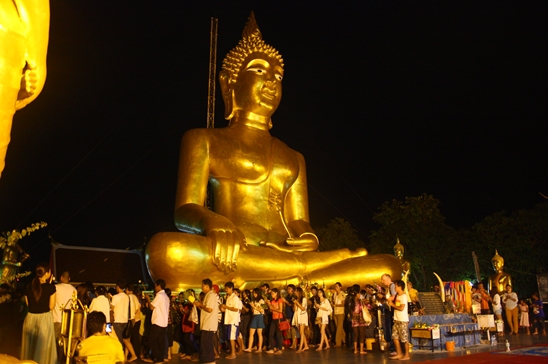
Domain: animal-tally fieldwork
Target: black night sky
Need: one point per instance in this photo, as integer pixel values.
(384, 99)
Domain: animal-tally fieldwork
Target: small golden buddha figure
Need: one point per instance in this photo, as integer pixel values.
(12, 258)
(399, 250)
(258, 229)
(500, 279)
(24, 31)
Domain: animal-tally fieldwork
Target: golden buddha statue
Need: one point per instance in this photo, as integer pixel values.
(399, 250)
(24, 26)
(258, 229)
(500, 279)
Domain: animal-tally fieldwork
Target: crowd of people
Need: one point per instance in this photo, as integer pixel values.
(126, 323)
(509, 309)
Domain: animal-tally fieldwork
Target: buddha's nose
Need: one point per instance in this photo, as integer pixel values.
(271, 84)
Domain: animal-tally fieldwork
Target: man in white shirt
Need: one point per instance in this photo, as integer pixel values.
(135, 316)
(120, 308)
(232, 310)
(63, 294)
(159, 319)
(401, 320)
(208, 322)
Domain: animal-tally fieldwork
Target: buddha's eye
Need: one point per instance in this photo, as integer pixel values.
(279, 77)
(257, 70)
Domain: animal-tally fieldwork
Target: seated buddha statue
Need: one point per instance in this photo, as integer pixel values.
(24, 31)
(258, 227)
(500, 278)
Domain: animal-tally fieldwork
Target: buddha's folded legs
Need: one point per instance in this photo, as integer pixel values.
(183, 260)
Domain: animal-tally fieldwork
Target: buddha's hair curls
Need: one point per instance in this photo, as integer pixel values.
(252, 41)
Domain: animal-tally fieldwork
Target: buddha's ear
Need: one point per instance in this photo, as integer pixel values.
(227, 93)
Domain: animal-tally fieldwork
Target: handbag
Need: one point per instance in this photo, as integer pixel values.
(194, 315)
(366, 315)
(283, 325)
(126, 334)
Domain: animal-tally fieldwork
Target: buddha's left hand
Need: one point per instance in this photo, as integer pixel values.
(304, 243)
(29, 82)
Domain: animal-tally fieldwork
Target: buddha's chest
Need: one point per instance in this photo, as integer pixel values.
(254, 162)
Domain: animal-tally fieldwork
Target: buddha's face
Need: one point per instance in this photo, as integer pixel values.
(497, 265)
(258, 88)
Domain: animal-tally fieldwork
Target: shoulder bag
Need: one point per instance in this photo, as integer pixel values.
(284, 324)
(129, 327)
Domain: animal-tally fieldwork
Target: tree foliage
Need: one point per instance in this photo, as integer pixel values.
(338, 234)
(421, 228)
(431, 245)
(521, 238)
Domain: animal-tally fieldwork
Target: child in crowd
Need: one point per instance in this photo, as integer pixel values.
(524, 315)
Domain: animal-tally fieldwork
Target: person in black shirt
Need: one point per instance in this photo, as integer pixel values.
(38, 342)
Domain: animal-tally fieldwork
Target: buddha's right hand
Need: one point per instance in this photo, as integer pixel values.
(226, 240)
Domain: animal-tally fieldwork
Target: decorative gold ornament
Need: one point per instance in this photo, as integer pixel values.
(12, 253)
(258, 229)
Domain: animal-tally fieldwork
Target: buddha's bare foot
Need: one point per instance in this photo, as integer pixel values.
(360, 252)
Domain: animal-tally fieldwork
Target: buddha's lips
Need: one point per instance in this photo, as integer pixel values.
(268, 93)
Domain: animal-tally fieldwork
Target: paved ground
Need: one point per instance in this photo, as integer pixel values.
(342, 355)
(345, 356)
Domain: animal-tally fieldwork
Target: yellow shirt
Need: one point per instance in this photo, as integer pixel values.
(103, 345)
(413, 294)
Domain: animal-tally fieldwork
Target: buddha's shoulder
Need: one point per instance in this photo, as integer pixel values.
(206, 134)
(277, 143)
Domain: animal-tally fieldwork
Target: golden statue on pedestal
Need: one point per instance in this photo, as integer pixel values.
(24, 26)
(500, 279)
(258, 229)
(399, 250)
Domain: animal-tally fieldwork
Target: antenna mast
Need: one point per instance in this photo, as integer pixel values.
(212, 73)
(211, 91)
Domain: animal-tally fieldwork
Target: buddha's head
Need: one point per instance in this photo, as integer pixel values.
(251, 78)
(399, 249)
(498, 262)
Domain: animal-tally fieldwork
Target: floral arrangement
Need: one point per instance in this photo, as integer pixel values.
(11, 238)
(423, 325)
(12, 278)
(5, 298)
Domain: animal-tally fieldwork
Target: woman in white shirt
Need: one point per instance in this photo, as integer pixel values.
(495, 303)
(301, 317)
(324, 310)
(101, 303)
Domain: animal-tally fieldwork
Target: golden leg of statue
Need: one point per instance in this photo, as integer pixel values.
(183, 260)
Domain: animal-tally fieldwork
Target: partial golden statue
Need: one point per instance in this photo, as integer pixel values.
(500, 278)
(399, 250)
(258, 229)
(24, 34)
